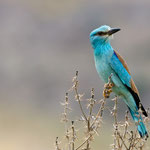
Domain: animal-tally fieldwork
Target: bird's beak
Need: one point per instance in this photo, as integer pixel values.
(113, 30)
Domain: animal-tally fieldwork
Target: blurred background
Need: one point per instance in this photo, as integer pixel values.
(43, 43)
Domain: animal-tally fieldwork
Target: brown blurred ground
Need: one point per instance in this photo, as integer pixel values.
(43, 43)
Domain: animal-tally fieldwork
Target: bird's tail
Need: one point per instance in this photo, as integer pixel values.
(140, 125)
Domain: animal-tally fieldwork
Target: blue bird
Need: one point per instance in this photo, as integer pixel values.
(107, 62)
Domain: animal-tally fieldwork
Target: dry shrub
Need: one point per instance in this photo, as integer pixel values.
(123, 137)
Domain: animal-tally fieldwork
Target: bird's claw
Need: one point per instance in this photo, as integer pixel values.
(107, 89)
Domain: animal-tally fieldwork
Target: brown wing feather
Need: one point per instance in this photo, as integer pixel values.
(133, 86)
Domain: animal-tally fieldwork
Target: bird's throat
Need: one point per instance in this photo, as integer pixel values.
(102, 49)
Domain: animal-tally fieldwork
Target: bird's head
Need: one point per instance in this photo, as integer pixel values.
(102, 35)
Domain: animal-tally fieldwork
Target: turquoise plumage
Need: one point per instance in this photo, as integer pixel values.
(107, 62)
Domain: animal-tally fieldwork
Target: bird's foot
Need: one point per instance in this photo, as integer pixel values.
(107, 89)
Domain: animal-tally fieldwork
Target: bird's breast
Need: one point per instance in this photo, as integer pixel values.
(103, 68)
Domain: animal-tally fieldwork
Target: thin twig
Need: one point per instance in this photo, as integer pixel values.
(123, 141)
(83, 142)
(100, 112)
(73, 135)
(78, 97)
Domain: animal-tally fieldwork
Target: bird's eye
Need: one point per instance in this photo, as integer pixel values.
(101, 33)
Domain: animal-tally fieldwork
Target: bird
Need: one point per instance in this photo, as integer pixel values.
(109, 62)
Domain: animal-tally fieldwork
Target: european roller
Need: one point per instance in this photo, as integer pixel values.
(109, 62)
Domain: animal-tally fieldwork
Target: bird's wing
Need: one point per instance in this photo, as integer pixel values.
(133, 86)
(119, 66)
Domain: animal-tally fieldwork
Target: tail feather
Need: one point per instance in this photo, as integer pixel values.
(140, 126)
(137, 100)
